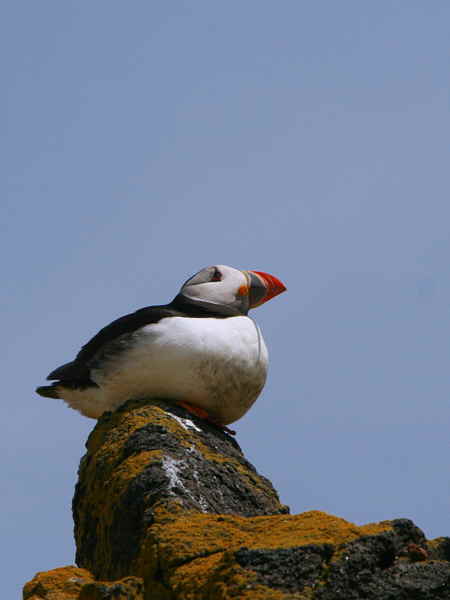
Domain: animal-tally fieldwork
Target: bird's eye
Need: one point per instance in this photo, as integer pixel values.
(217, 275)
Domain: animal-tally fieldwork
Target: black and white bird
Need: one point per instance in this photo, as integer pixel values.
(201, 350)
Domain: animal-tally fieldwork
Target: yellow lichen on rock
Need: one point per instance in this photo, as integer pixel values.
(72, 583)
(194, 550)
(192, 535)
(167, 508)
(63, 583)
(148, 446)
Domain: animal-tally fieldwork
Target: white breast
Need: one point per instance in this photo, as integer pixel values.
(218, 364)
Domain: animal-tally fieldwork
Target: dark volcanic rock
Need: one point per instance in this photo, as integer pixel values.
(384, 567)
(155, 453)
(167, 508)
(287, 569)
(129, 588)
(368, 568)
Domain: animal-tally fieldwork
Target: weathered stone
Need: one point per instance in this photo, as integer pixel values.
(382, 567)
(167, 508)
(72, 583)
(257, 557)
(153, 454)
(129, 588)
(287, 569)
(64, 583)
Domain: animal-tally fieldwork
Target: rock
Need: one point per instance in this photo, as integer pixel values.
(167, 507)
(128, 588)
(152, 457)
(64, 583)
(71, 583)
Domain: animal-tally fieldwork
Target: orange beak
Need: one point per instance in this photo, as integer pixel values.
(263, 287)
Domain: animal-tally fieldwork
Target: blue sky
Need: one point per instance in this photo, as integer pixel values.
(307, 139)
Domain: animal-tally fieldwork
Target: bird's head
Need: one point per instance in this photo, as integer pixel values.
(230, 292)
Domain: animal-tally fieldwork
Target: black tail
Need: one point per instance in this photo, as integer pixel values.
(48, 391)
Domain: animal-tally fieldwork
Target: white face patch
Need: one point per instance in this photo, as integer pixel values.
(224, 296)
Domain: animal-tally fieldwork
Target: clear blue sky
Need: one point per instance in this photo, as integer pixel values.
(146, 140)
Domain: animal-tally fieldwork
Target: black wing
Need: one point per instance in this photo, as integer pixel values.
(78, 370)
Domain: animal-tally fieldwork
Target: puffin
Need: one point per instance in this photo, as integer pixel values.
(201, 351)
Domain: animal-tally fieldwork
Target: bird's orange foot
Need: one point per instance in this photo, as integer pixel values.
(202, 413)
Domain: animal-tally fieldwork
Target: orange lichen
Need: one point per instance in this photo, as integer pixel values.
(184, 553)
(123, 589)
(181, 553)
(186, 545)
(196, 550)
(63, 583)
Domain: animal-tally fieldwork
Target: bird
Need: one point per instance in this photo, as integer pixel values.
(201, 351)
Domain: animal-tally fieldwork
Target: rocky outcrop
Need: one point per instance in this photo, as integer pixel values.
(167, 507)
(70, 583)
(146, 464)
